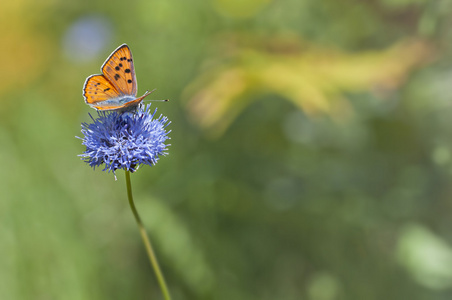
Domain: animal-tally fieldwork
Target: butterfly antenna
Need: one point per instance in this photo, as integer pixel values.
(164, 100)
(147, 93)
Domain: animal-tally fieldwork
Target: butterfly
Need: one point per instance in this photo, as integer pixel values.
(116, 87)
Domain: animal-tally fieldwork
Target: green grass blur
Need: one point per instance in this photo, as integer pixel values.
(310, 151)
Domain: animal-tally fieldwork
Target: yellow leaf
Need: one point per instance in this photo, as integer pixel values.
(313, 78)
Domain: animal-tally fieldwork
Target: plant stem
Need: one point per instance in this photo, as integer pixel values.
(147, 242)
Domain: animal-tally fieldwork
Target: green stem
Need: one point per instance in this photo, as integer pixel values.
(147, 242)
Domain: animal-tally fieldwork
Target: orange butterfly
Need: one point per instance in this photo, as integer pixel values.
(116, 87)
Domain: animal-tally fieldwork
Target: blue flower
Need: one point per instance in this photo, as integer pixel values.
(125, 140)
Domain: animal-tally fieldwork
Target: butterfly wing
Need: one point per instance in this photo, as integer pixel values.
(119, 70)
(98, 88)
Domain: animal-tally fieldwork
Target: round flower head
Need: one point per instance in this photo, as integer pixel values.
(125, 140)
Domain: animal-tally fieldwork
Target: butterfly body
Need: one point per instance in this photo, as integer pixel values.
(116, 87)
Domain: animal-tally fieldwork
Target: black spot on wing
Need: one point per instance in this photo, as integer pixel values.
(129, 81)
(127, 70)
(117, 76)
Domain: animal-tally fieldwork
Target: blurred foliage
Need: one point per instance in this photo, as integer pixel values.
(312, 77)
(310, 154)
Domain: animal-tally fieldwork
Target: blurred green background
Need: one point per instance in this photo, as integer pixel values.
(310, 151)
